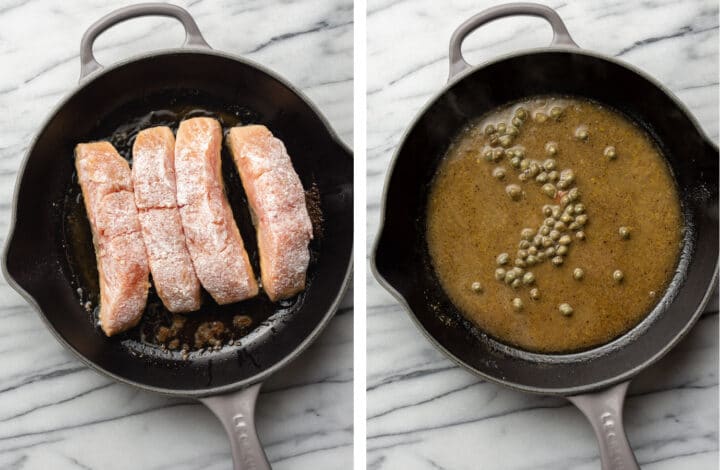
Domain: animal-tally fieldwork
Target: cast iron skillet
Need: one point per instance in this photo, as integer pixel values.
(35, 264)
(594, 380)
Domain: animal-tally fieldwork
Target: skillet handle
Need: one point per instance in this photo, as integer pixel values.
(236, 412)
(561, 37)
(604, 410)
(88, 64)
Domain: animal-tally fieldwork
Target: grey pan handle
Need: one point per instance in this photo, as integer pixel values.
(604, 410)
(88, 64)
(561, 37)
(236, 412)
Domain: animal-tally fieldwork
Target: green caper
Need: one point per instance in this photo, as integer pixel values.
(554, 234)
(517, 122)
(520, 262)
(512, 130)
(524, 164)
(581, 133)
(544, 230)
(580, 235)
(547, 241)
(531, 260)
(624, 232)
(565, 240)
(578, 274)
(532, 250)
(502, 259)
(476, 287)
(527, 233)
(579, 208)
(521, 113)
(550, 251)
(549, 222)
(518, 271)
(514, 191)
(515, 162)
(519, 152)
(499, 172)
(555, 112)
(494, 139)
(522, 254)
(535, 293)
(542, 177)
(497, 155)
(566, 218)
(499, 274)
(557, 260)
(610, 153)
(551, 148)
(540, 117)
(581, 220)
(510, 276)
(487, 155)
(528, 278)
(618, 276)
(573, 195)
(501, 127)
(556, 212)
(549, 190)
(549, 164)
(560, 225)
(516, 283)
(523, 176)
(505, 140)
(565, 309)
(489, 129)
(565, 200)
(553, 176)
(517, 304)
(547, 210)
(524, 245)
(561, 250)
(541, 256)
(537, 239)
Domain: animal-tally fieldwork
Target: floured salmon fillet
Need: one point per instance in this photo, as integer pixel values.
(277, 201)
(105, 180)
(213, 239)
(153, 175)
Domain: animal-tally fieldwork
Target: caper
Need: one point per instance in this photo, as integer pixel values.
(527, 233)
(553, 176)
(549, 164)
(516, 283)
(551, 148)
(528, 278)
(566, 218)
(497, 155)
(515, 162)
(537, 239)
(544, 230)
(501, 127)
(560, 225)
(578, 274)
(573, 195)
(624, 232)
(521, 263)
(556, 212)
(522, 254)
(519, 152)
(557, 261)
(542, 177)
(550, 251)
(524, 244)
(532, 250)
(533, 168)
(541, 256)
(489, 129)
(554, 234)
(510, 276)
(580, 235)
(540, 117)
(581, 133)
(618, 275)
(512, 130)
(476, 287)
(524, 164)
(547, 241)
(521, 113)
(610, 153)
(517, 304)
(564, 201)
(561, 250)
(549, 190)
(579, 208)
(531, 260)
(499, 274)
(523, 176)
(565, 240)
(513, 191)
(502, 259)
(516, 121)
(565, 309)
(493, 139)
(581, 220)
(518, 271)
(505, 140)
(499, 172)
(555, 112)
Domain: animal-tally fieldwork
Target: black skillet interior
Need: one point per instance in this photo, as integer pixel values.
(42, 256)
(401, 256)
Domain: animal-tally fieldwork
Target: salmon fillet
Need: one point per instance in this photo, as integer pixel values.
(213, 239)
(105, 180)
(153, 176)
(277, 201)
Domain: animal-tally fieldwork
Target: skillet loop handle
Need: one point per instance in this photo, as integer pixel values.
(236, 412)
(561, 36)
(193, 37)
(604, 410)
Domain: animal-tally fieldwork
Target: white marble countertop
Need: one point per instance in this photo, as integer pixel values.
(57, 414)
(426, 413)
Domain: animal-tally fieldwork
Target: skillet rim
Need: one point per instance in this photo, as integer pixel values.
(346, 152)
(561, 391)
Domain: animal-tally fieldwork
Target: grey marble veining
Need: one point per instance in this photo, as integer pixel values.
(57, 414)
(424, 412)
